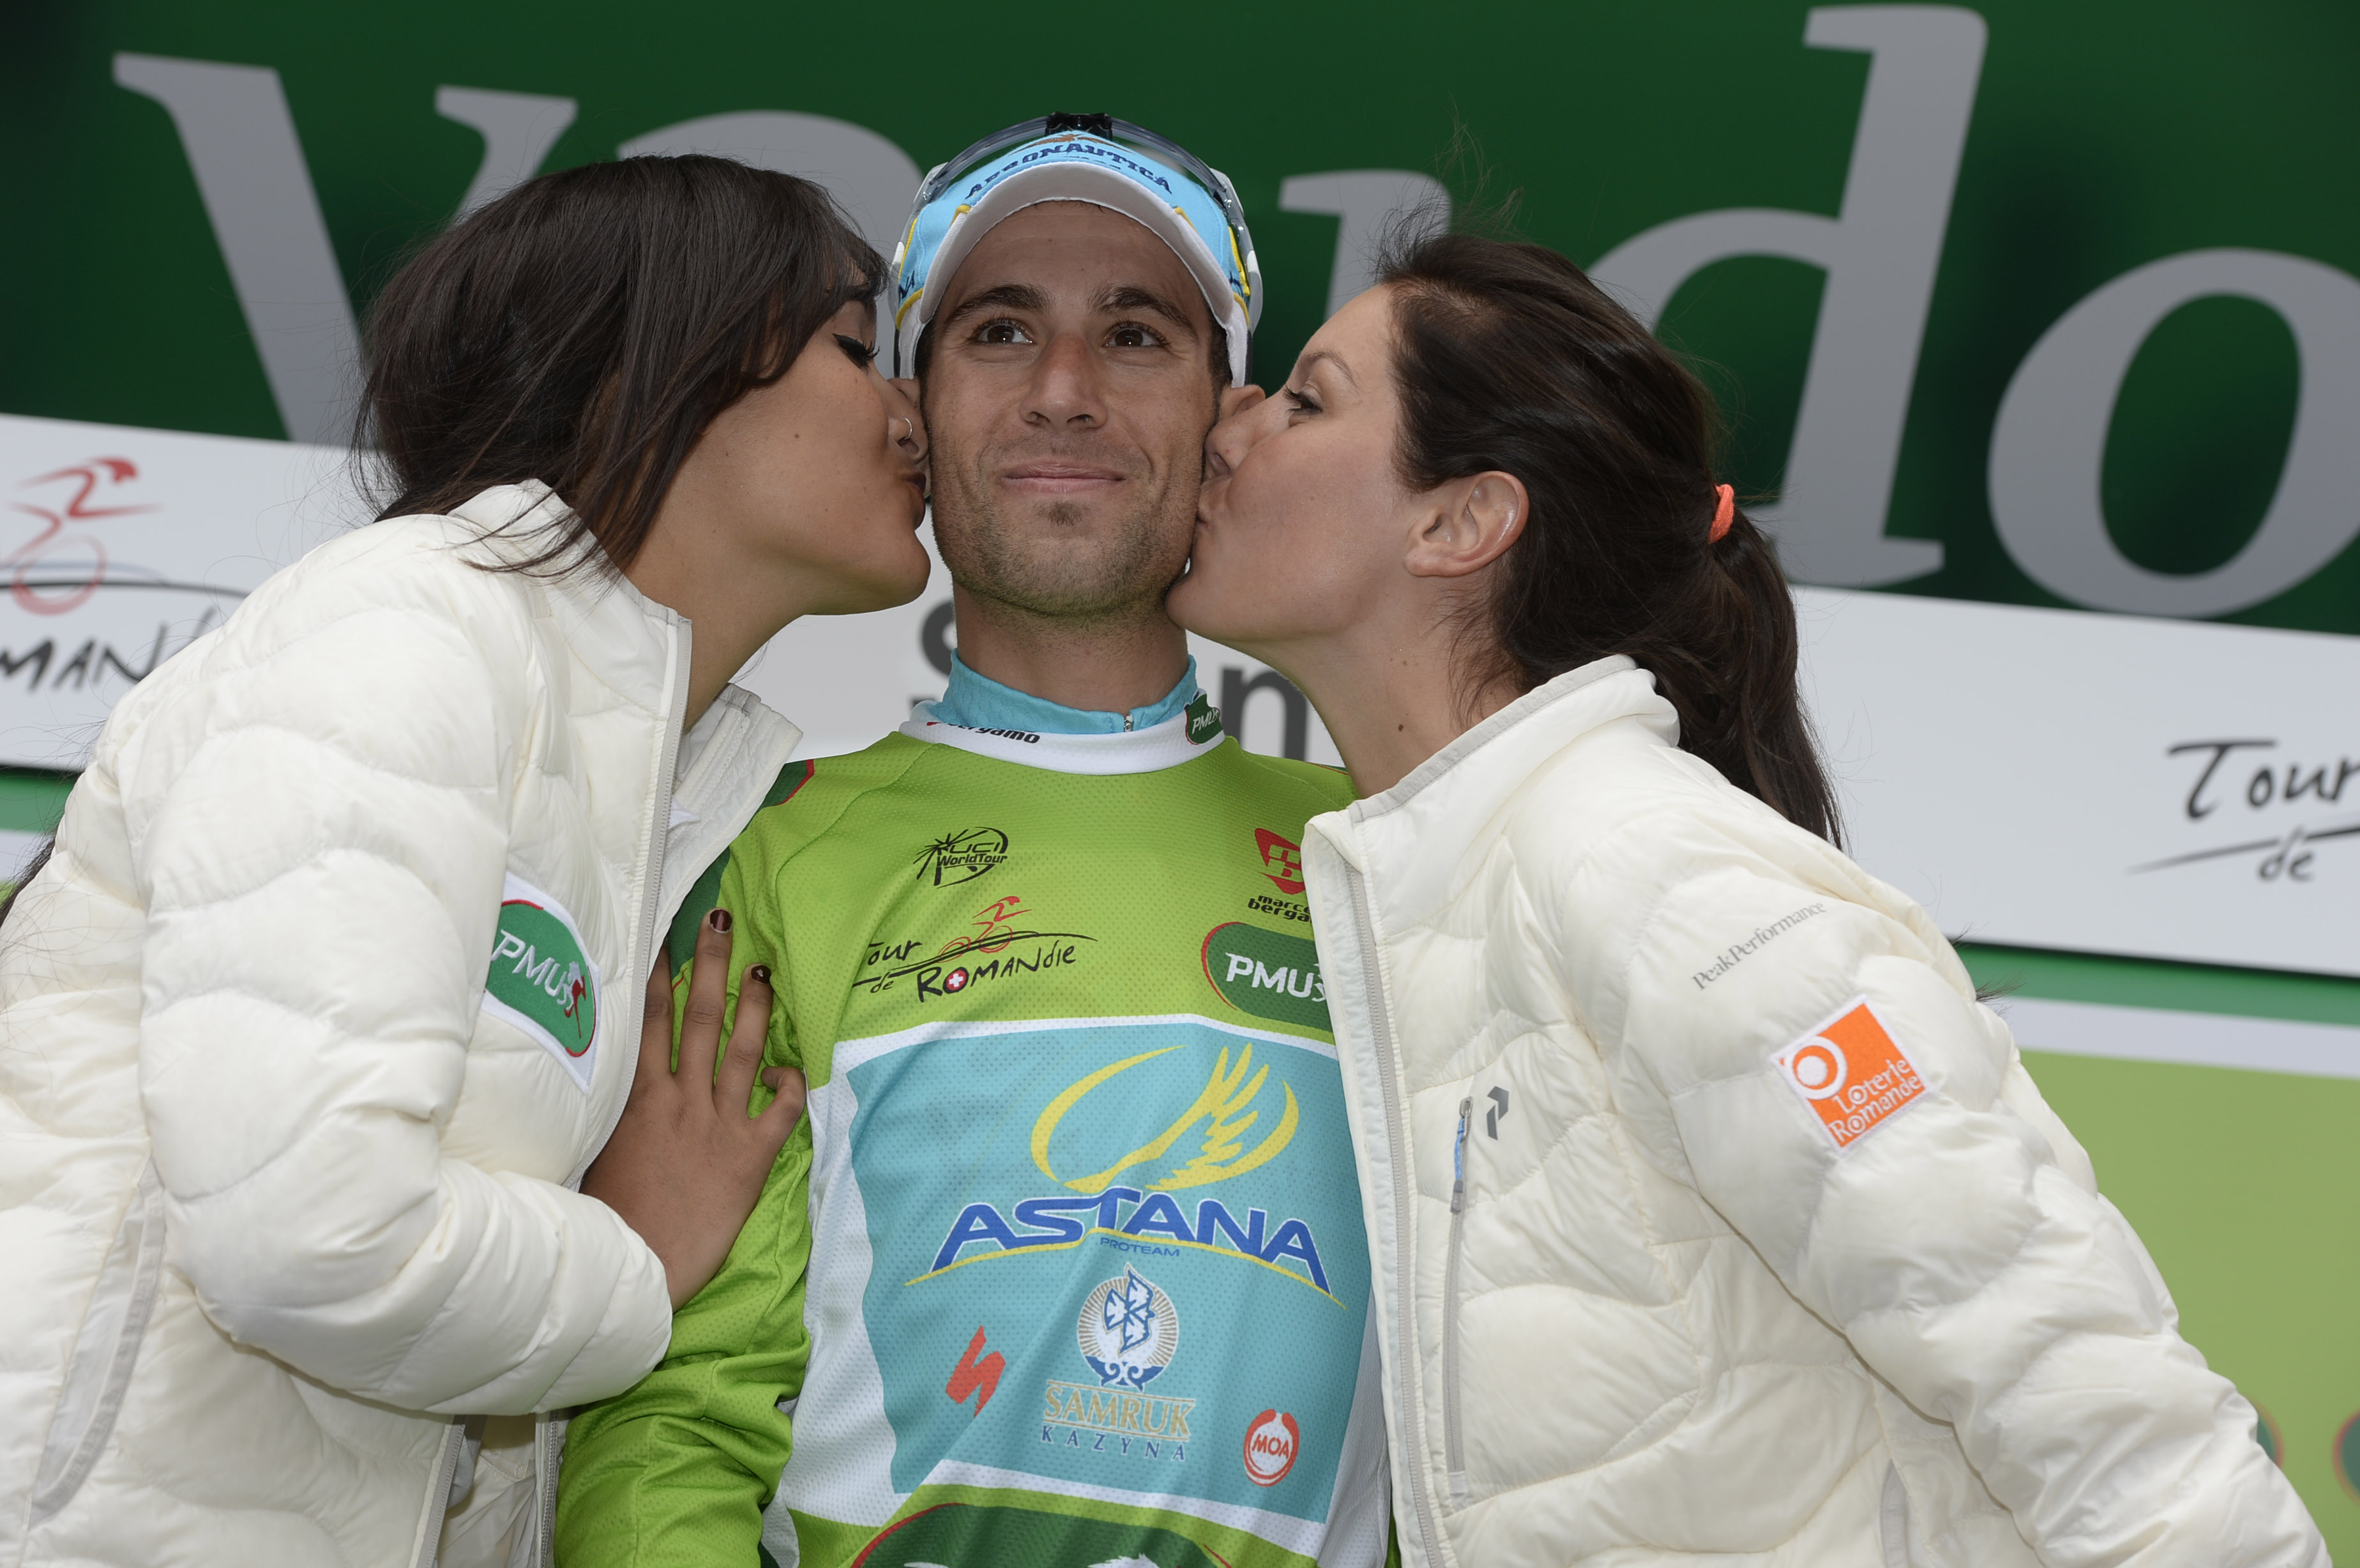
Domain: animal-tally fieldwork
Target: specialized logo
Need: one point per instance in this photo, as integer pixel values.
(1128, 1331)
(1204, 721)
(541, 978)
(1851, 1073)
(1272, 1439)
(1267, 974)
(1281, 860)
(962, 856)
(980, 1378)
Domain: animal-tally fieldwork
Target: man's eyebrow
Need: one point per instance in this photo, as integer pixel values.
(1131, 297)
(1322, 356)
(1005, 296)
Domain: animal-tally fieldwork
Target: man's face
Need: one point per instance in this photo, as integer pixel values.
(1067, 399)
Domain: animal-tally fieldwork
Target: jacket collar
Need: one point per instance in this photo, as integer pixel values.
(623, 638)
(1425, 824)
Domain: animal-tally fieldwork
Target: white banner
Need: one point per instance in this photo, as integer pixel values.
(2049, 778)
(2097, 783)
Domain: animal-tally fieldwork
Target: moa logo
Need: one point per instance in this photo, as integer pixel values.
(1272, 1439)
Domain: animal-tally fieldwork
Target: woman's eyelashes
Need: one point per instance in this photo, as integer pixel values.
(861, 354)
(1301, 402)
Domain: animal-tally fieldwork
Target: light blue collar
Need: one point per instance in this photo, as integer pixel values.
(980, 703)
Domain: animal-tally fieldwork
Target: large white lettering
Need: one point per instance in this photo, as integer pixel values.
(518, 128)
(1366, 203)
(1880, 257)
(240, 141)
(2050, 442)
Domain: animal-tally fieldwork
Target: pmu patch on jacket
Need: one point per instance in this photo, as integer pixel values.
(1851, 1073)
(542, 980)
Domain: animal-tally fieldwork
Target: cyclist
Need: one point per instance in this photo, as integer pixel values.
(1069, 1266)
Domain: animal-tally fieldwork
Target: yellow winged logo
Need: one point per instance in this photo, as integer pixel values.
(1224, 1106)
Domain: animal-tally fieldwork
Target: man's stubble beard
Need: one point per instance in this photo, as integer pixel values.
(1051, 570)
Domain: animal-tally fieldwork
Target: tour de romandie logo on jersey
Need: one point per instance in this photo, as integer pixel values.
(1128, 1334)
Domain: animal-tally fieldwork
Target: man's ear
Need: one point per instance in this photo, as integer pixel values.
(1468, 525)
(1235, 400)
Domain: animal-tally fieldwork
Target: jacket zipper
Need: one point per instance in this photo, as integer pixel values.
(1453, 1459)
(644, 942)
(437, 1501)
(551, 1437)
(1380, 1040)
(551, 1448)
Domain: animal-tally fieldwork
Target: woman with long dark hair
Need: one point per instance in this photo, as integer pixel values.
(1714, 1219)
(334, 984)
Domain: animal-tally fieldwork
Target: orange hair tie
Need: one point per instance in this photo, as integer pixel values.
(1725, 512)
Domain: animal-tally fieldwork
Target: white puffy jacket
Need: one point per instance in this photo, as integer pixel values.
(1713, 1218)
(283, 1164)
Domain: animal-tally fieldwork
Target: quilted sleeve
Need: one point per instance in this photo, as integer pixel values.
(318, 827)
(1801, 1044)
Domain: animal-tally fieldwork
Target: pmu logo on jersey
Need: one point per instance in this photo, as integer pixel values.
(1266, 973)
(1204, 721)
(1272, 1439)
(1851, 1073)
(1282, 861)
(541, 978)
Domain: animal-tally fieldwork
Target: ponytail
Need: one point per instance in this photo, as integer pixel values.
(1508, 357)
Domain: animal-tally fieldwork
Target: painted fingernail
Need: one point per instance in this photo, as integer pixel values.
(760, 971)
(719, 920)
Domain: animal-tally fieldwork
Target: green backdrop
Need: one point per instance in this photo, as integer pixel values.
(2104, 136)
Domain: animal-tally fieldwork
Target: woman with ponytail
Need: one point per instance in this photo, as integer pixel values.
(1714, 1217)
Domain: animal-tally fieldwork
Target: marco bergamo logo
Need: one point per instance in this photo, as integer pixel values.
(541, 978)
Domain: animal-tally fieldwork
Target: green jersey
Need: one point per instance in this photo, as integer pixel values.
(1066, 1265)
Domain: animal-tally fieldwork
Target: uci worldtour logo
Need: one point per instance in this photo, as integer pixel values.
(2256, 791)
(962, 856)
(1147, 1218)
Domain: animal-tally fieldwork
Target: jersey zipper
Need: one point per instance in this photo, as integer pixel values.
(1416, 1465)
(1454, 1460)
